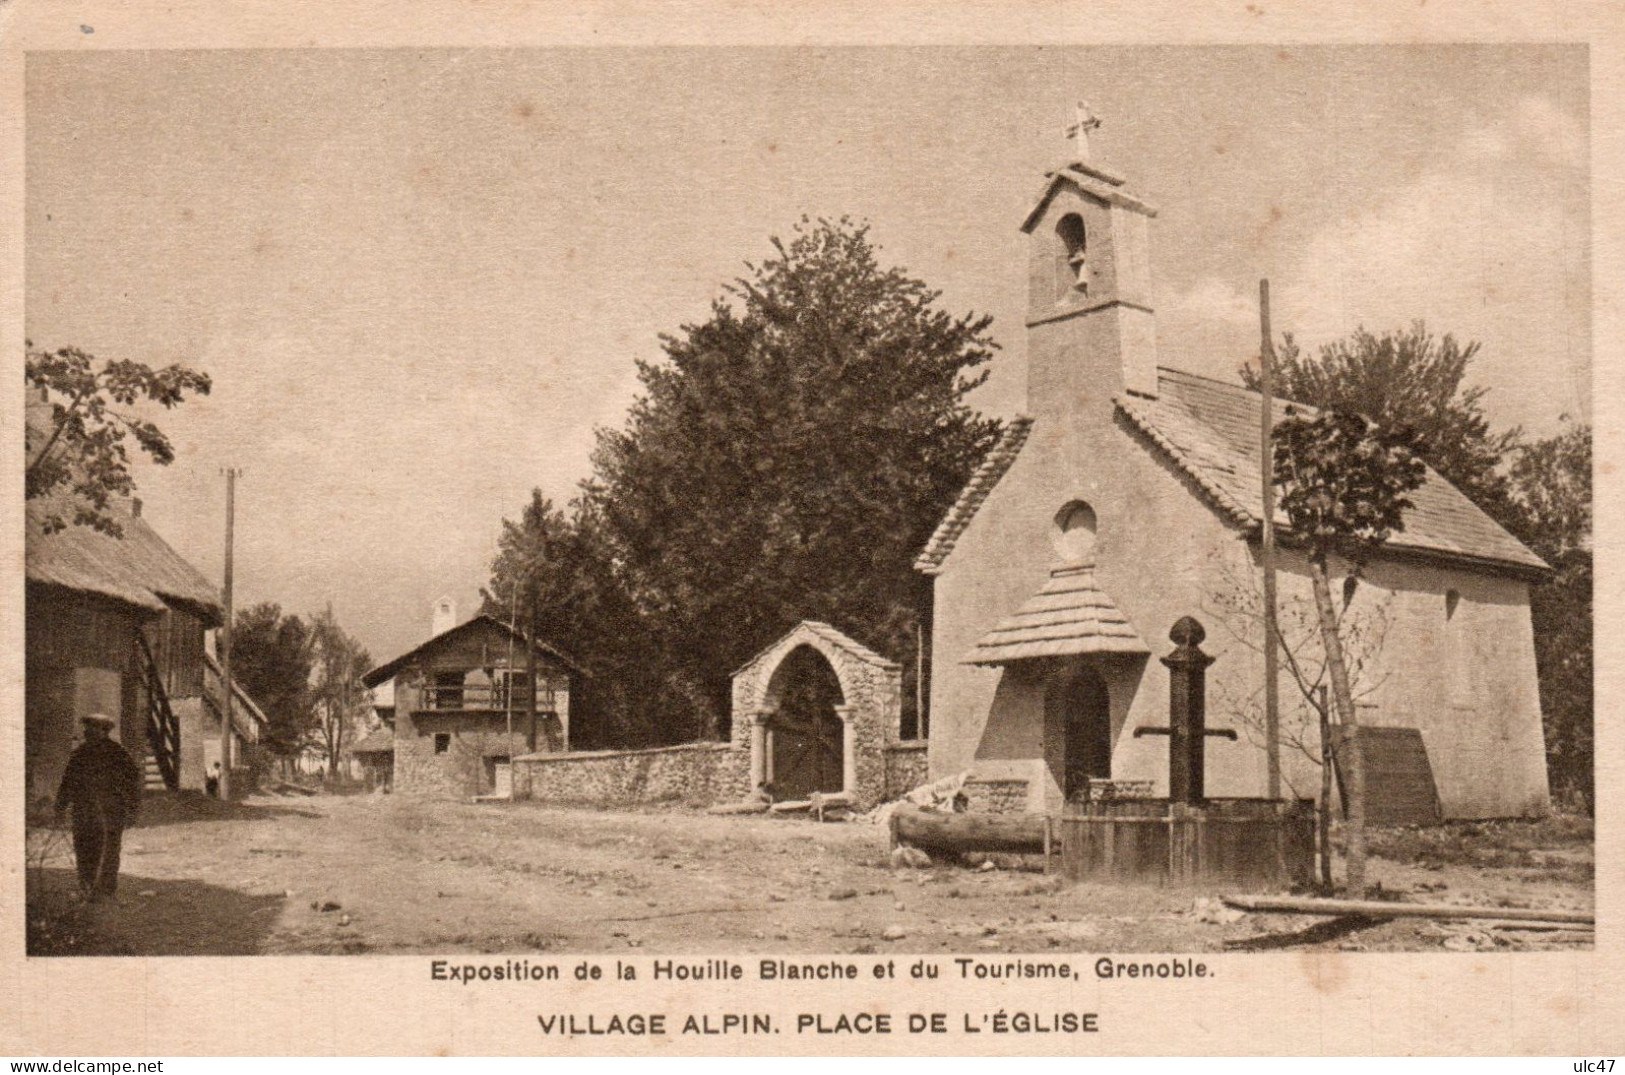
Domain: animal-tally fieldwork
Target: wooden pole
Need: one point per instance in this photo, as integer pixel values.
(1324, 817)
(225, 641)
(919, 680)
(1272, 696)
(1380, 909)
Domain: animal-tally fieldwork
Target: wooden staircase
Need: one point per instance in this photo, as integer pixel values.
(163, 760)
(152, 777)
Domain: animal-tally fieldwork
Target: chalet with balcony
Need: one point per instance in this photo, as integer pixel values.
(469, 700)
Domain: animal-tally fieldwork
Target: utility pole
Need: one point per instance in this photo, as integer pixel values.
(225, 641)
(1266, 465)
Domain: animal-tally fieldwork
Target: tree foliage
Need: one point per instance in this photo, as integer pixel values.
(554, 580)
(1409, 380)
(271, 659)
(340, 703)
(82, 450)
(1344, 485)
(787, 459)
(1551, 492)
(1344, 481)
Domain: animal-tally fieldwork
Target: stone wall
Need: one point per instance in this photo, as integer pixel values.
(464, 768)
(996, 796)
(693, 774)
(905, 767)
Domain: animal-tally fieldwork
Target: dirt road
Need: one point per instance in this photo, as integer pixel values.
(391, 875)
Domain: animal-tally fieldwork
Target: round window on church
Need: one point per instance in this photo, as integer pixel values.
(1075, 533)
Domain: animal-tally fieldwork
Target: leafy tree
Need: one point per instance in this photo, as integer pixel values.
(529, 569)
(339, 700)
(1406, 379)
(271, 659)
(552, 576)
(1551, 489)
(81, 450)
(1344, 486)
(788, 460)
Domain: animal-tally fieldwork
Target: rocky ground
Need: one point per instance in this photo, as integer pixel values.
(381, 874)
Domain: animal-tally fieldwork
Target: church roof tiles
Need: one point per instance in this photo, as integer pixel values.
(981, 483)
(1209, 429)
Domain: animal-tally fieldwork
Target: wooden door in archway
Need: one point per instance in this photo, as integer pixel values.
(1085, 715)
(807, 733)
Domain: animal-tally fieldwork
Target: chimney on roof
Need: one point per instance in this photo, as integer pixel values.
(444, 618)
(135, 506)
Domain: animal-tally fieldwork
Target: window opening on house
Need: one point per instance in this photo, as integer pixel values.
(1075, 533)
(1074, 253)
(442, 742)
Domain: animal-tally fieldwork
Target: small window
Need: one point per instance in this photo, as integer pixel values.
(1075, 533)
(442, 742)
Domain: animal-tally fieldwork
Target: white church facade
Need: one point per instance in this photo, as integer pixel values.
(1129, 497)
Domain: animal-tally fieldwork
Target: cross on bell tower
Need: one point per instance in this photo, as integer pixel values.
(1084, 121)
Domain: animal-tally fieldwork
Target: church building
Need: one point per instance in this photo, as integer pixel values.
(1129, 497)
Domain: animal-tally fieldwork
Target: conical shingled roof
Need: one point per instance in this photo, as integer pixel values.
(1068, 616)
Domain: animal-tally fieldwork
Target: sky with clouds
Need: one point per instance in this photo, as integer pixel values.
(420, 278)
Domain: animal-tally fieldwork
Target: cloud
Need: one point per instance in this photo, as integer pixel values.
(1215, 299)
(1488, 241)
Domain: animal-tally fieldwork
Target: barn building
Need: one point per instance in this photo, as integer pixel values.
(117, 625)
(1127, 498)
(460, 717)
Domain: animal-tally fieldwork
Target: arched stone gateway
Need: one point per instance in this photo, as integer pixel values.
(816, 712)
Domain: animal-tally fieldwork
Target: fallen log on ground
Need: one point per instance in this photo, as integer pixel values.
(935, 831)
(1381, 909)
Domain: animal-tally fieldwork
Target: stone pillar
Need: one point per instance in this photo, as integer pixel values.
(849, 749)
(1187, 712)
(759, 755)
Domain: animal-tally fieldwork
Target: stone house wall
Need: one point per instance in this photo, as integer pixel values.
(475, 738)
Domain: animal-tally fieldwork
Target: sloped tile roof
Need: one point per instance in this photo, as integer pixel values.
(380, 741)
(1210, 431)
(387, 671)
(987, 475)
(139, 569)
(1069, 615)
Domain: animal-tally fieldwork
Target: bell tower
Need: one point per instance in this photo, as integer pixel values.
(1091, 331)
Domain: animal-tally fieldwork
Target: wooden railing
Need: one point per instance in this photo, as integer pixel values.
(163, 730)
(486, 697)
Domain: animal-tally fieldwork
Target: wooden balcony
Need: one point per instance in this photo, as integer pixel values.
(481, 698)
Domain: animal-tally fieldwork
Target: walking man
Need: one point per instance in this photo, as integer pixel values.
(102, 785)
